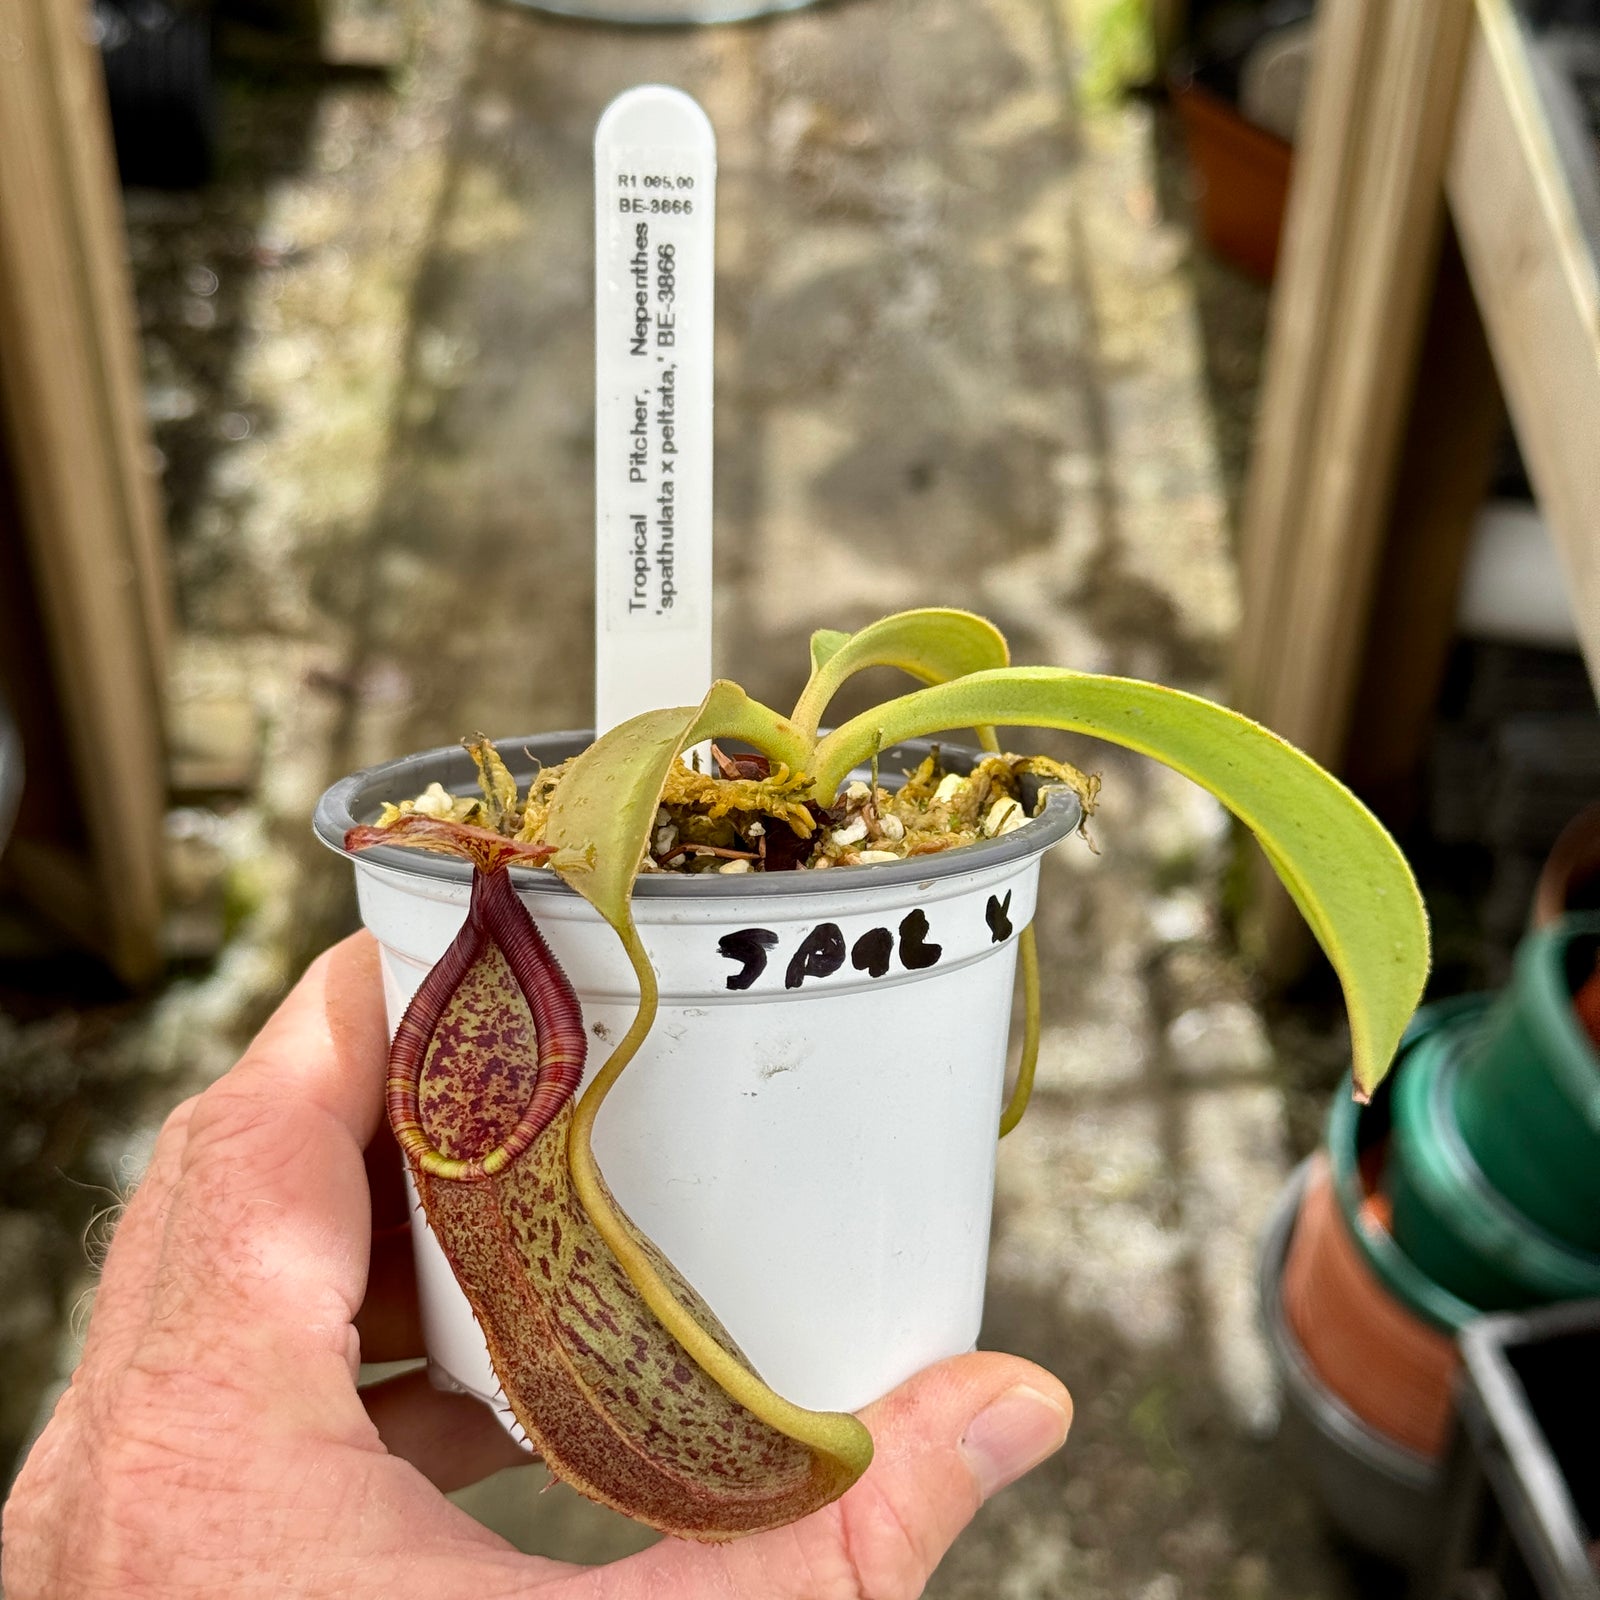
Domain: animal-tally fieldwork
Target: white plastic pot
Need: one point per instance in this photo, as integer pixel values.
(809, 1134)
(669, 13)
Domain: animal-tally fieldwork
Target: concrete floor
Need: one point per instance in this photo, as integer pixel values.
(961, 359)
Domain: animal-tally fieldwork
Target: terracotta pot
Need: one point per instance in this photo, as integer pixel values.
(1569, 882)
(1243, 179)
(1570, 878)
(1391, 1368)
(1382, 1496)
(1586, 1002)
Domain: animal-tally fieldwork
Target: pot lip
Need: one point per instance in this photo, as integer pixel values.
(1404, 1279)
(1573, 863)
(1446, 1174)
(355, 798)
(664, 16)
(1540, 993)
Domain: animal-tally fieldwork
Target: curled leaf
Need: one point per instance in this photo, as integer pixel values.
(499, 787)
(934, 644)
(481, 846)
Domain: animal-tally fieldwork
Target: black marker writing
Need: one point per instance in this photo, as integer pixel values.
(915, 954)
(750, 946)
(820, 956)
(871, 952)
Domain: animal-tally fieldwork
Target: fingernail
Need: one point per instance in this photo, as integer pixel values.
(1012, 1434)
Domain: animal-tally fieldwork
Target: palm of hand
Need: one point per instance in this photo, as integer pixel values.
(214, 1442)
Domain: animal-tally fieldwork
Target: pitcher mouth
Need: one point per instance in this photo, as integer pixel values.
(357, 799)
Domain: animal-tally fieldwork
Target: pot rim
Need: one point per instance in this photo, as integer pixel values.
(664, 16)
(355, 799)
(1572, 865)
(1542, 995)
(1446, 1173)
(1404, 1279)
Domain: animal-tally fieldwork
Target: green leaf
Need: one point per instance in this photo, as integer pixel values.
(1032, 1027)
(606, 801)
(826, 643)
(933, 644)
(606, 806)
(1344, 871)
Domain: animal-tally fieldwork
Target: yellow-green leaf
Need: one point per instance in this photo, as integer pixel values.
(1344, 871)
(608, 796)
(934, 644)
(825, 643)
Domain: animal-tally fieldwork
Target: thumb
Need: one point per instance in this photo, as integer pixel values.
(945, 1441)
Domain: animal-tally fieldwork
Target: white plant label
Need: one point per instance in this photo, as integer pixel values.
(655, 171)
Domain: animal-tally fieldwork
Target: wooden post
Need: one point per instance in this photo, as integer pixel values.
(1348, 314)
(1169, 22)
(79, 468)
(1525, 216)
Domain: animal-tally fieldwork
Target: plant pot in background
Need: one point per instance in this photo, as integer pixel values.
(1399, 1243)
(1447, 1219)
(1363, 1341)
(1524, 1479)
(1382, 1496)
(1379, 1330)
(1242, 178)
(1527, 1096)
(1586, 1002)
(809, 1133)
(1357, 1141)
(1569, 881)
(1392, 1368)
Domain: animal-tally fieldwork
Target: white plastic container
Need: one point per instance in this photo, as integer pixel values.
(809, 1133)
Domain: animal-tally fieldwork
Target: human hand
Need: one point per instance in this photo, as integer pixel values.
(213, 1441)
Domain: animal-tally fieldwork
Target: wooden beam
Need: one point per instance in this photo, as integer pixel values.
(1348, 316)
(64, 882)
(1352, 302)
(1303, 327)
(1519, 209)
(1169, 24)
(71, 421)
